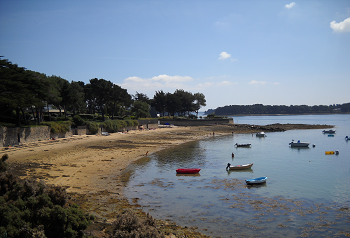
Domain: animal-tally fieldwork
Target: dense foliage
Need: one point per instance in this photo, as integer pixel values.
(32, 209)
(93, 127)
(279, 109)
(114, 125)
(25, 95)
(58, 127)
(180, 102)
(128, 225)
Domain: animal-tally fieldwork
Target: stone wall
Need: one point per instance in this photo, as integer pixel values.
(148, 124)
(16, 136)
(200, 122)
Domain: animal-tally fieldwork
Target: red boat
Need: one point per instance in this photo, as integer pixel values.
(188, 171)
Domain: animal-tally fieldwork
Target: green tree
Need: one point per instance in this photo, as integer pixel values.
(142, 98)
(100, 91)
(140, 109)
(159, 101)
(199, 101)
(21, 88)
(75, 98)
(119, 100)
(173, 104)
(58, 91)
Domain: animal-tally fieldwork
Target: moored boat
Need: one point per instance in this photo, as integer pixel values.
(347, 138)
(336, 152)
(328, 131)
(260, 134)
(243, 145)
(259, 180)
(299, 144)
(238, 167)
(188, 171)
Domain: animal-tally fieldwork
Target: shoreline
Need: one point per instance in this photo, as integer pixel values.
(93, 168)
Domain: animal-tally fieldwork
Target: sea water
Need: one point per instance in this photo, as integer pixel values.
(307, 192)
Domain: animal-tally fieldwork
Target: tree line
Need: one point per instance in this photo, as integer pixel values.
(279, 109)
(24, 92)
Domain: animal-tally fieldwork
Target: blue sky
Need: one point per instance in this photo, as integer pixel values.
(234, 52)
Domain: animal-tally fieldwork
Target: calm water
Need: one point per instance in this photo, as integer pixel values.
(307, 192)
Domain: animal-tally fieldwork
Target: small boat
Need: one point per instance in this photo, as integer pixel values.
(260, 134)
(332, 152)
(330, 135)
(347, 138)
(237, 167)
(188, 171)
(328, 131)
(299, 144)
(256, 181)
(243, 145)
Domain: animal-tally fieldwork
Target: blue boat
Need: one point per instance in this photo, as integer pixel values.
(256, 181)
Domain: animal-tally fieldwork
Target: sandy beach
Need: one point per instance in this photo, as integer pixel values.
(92, 166)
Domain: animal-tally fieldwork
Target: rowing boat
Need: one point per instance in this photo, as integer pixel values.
(237, 167)
(188, 171)
(259, 180)
(243, 145)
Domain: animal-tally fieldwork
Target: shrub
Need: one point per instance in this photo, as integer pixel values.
(87, 116)
(110, 126)
(78, 121)
(32, 209)
(128, 225)
(93, 127)
(60, 127)
(115, 125)
(3, 164)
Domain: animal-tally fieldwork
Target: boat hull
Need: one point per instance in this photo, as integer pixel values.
(301, 144)
(239, 167)
(328, 131)
(260, 180)
(243, 145)
(260, 134)
(188, 171)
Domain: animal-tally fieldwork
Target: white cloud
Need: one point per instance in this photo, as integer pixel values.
(257, 82)
(155, 83)
(167, 78)
(226, 83)
(341, 26)
(224, 55)
(290, 5)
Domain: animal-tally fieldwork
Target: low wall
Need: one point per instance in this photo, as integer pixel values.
(148, 124)
(61, 135)
(201, 122)
(15, 136)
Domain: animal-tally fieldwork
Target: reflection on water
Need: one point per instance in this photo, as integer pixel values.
(188, 175)
(307, 193)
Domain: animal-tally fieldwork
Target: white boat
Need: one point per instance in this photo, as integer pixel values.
(299, 144)
(239, 167)
(260, 134)
(256, 181)
(347, 138)
(328, 131)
